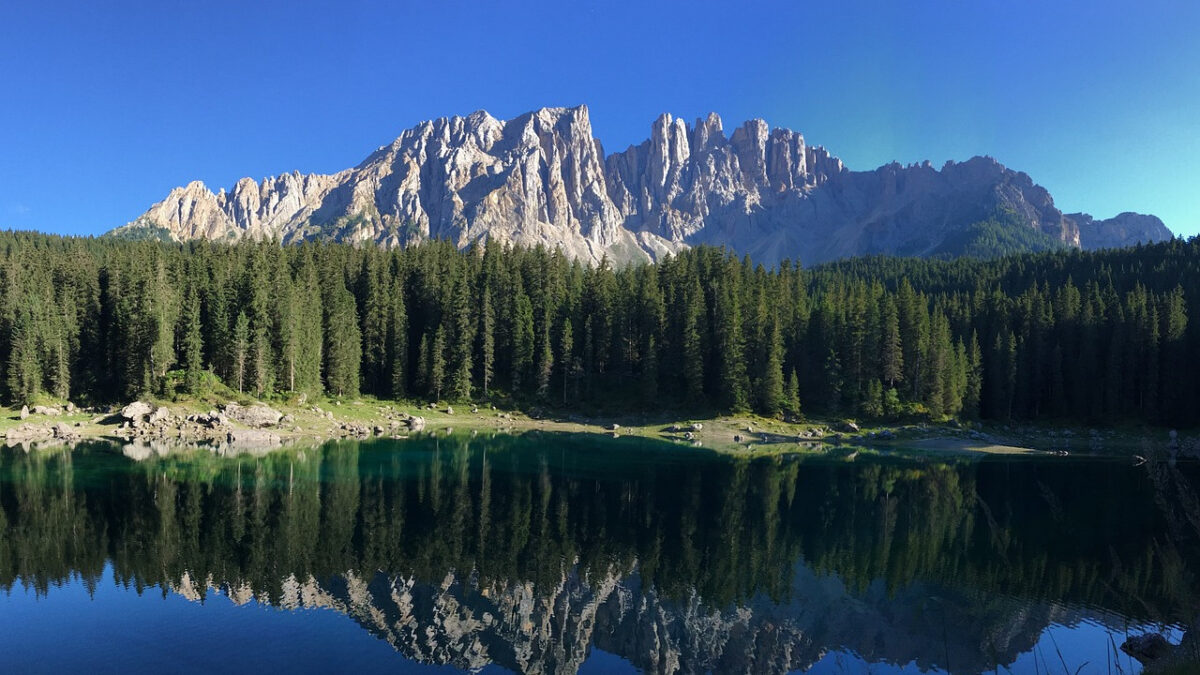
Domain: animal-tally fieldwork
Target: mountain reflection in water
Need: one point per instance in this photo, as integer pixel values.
(532, 552)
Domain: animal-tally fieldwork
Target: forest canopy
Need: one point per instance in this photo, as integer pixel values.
(1098, 336)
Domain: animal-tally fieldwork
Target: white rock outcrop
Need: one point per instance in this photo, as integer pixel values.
(543, 178)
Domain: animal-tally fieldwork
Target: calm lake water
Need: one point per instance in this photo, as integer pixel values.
(562, 554)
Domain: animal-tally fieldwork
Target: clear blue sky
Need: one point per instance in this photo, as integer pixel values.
(106, 106)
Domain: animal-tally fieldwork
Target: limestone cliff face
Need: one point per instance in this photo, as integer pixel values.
(543, 178)
(1125, 229)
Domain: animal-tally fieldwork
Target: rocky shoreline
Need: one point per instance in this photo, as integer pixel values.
(232, 427)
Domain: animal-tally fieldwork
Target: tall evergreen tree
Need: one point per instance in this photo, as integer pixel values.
(192, 343)
(343, 346)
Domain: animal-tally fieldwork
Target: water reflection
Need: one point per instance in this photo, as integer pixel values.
(532, 552)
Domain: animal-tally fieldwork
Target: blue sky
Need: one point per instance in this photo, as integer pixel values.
(106, 106)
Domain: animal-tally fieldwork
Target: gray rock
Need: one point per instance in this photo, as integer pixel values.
(1124, 229)
(257, 415)
(49, 411)
(28, 432)
(416, 424)
(63, 432)
(253, 438)
(543, 178)
(136, 411)
(24, 412)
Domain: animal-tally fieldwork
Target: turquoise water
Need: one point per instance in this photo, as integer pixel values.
(573, 553)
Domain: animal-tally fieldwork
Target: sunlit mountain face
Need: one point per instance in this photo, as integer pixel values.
(559, 553)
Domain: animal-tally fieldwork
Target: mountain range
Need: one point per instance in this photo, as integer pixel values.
(544, 178)
(524, 627)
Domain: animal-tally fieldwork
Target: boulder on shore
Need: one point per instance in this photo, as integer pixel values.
(27, 432)
(137, 411)
(64, 432)
(257, 415)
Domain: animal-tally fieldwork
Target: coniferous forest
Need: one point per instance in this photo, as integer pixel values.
(1063, 335)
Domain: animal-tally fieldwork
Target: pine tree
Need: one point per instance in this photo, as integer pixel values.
(974, 381)
(792, 396)
(239, 349)
(771, 394)
(397, 341)
(833, 382)
(731, 348)
(23, 367)
(305, 371)
(343, 345)
(161, 329)
(192, 343)
(892, 352)
(487, 340)
(545, 363)
(693, 348)
(522, 341)
(649, 377)
(566, 355)
(460, 341)
(437, 363)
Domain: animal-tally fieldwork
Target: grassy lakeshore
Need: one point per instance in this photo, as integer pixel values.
(322, 419)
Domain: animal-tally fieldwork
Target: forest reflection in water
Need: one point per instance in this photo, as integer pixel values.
(533, 552)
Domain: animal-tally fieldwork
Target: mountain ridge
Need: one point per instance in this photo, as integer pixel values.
(544, 178)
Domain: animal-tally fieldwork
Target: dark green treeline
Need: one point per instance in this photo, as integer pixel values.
(532, 508)
(1066, 335)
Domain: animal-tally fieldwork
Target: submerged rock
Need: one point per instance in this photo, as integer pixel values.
(253, 438)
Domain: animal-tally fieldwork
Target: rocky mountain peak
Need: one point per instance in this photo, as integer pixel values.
(543, 178)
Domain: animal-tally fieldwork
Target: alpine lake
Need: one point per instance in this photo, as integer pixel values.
(565, 553)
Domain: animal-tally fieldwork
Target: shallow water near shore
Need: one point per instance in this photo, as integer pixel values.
(578, 553)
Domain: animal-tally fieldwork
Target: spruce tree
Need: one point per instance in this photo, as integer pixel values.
(437, 363)
(566, 355)
(343, 346)
(693, 348)
(771, 385)
(487, 341)
(892, 352)
(731, 352)
(239, 349)
(192, 343)
(522, 341)
(792, 396)
(397, 341)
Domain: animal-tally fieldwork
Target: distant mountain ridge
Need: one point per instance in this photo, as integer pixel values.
(543, 178)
